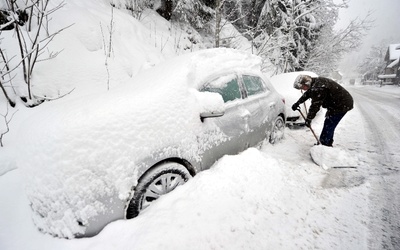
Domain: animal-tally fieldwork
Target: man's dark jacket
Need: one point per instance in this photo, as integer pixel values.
(328, 94)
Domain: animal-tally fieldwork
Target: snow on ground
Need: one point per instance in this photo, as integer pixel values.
(272, 197)
(268, 198)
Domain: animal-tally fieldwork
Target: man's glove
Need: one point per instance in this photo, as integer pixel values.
(295, 106)
(307, 122)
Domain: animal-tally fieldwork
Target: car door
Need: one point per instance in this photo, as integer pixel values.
(259, 104)
(233, 125)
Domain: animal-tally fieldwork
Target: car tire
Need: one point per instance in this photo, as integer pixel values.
(277, 130)
(155, 183)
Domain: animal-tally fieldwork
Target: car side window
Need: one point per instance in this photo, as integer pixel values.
(253, 84)
(227, 86)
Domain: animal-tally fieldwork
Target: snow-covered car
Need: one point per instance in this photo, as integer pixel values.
(283, 83)
(108, 156)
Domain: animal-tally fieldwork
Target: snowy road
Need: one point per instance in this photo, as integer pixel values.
(381, 111)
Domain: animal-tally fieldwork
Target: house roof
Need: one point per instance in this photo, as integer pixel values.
(394, 63)
(391, 76)
(394, 51)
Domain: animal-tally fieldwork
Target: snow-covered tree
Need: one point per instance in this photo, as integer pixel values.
(374, 63)
(333, 44)
(193, 12)
(286, 31)
(296, 34)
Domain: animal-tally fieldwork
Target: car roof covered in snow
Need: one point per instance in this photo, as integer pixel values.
(194, 67)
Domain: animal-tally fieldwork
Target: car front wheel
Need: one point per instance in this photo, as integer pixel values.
(155, 183)
(277, 130)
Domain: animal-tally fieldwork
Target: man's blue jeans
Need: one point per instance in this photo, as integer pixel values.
(331, 121)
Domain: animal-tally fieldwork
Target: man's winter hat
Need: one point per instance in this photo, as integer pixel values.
(302, 80)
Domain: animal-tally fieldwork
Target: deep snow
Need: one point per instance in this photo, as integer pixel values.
(269, 198)
(272, 197)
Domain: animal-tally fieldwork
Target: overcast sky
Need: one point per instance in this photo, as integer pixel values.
(386, 14)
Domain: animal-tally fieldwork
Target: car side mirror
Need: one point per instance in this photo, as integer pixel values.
(211, 104)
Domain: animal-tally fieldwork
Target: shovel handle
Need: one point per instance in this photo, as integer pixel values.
(316, 138)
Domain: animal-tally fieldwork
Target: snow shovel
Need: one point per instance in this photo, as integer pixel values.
(316, 138)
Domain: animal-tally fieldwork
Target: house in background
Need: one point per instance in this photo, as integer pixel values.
(369, 78)
(392, 71)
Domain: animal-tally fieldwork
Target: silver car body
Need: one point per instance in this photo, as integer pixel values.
(76, 190)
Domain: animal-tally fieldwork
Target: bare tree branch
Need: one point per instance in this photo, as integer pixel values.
(7, 121)
(32, 44)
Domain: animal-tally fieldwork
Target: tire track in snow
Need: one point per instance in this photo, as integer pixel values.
(382, 121)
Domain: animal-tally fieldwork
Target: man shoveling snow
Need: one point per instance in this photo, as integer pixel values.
(338, 101)
(328, 94)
